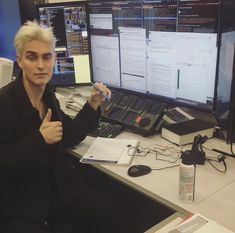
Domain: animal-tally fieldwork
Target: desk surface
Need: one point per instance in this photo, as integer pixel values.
(214, 191)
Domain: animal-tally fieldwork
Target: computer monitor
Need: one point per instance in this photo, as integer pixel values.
(225, 91)
(71, 27)
(165, 49)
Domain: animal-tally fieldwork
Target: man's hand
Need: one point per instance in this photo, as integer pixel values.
(96, 98)
(51, 131)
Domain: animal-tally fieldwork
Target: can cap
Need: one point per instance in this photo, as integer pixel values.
(187, 158)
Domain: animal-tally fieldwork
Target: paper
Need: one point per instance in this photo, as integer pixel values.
(169, 226)
(199, 224)
(110, 150)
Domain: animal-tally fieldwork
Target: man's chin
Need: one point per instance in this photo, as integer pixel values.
(41, 83)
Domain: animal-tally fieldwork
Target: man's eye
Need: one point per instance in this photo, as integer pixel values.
(31, 58)
(47, 57)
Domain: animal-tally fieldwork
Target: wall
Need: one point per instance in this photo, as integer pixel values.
(9, 24)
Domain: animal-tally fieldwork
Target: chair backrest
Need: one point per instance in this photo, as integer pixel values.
(6, 71)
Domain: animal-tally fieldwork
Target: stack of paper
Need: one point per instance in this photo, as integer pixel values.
(111, 150)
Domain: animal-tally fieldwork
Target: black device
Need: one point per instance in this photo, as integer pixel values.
(138, 170)
(196, 155)
(225, 91)
(70, 24)
(106, 130)
(135, 112)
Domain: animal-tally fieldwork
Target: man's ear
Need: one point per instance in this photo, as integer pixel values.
(18, 58)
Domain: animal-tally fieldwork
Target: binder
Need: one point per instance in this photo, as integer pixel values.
(111, 150)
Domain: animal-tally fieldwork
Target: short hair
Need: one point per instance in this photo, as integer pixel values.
(32, 30)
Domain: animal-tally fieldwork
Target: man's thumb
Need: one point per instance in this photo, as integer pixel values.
(48, 115)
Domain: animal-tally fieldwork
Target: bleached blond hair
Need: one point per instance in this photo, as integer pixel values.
(32, 30)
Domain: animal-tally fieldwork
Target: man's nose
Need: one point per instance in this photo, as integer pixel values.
(40, 63)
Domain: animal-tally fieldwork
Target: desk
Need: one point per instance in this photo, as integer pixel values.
(214, 192)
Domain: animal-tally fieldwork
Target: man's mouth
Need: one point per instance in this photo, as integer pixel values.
(39, 74)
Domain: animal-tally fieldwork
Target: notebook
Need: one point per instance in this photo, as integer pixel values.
(111, 150)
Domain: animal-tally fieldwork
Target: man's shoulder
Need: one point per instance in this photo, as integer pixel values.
(7, 92)
(8, 101)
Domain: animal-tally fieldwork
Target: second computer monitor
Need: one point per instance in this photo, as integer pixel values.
(71, 27)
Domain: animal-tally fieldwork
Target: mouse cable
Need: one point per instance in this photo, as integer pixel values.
(162, 168)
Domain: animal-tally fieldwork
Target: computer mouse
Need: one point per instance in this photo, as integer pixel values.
(138, 170)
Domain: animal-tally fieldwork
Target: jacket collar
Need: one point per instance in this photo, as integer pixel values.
(24, 103)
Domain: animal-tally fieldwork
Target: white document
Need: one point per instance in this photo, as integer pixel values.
(199, 224)
(110, 150)
(162, 63)
(196, 64)
(105, 60)
(101, 21)
(133, 58)
(176, 62)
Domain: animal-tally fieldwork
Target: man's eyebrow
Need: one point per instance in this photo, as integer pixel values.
(31, 52)
(35, 53)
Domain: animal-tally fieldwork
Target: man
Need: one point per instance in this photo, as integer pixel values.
(35, 192)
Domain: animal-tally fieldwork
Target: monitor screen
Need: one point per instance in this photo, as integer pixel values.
(225, 92)
(71, 27)
(161, 48)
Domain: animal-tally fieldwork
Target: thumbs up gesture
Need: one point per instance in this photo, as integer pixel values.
(51, 131)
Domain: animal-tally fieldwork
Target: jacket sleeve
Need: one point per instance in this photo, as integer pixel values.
(75, 130)
(27, 153)
(19, 151)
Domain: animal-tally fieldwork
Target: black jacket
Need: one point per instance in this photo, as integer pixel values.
(28, 166)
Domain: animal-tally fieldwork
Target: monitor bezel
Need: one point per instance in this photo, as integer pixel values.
(227, 130)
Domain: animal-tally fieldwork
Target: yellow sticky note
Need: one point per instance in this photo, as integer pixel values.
(82, 68)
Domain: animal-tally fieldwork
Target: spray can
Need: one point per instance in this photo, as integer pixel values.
(187, 172)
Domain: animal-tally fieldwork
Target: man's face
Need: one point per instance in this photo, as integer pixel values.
(37, 61)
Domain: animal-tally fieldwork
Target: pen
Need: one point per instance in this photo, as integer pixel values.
(100, 92)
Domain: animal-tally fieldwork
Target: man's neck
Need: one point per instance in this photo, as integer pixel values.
(35, 93)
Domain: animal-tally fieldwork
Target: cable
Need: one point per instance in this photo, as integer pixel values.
(166, 160)
(157, 151)
(222, 152)
(157, 169)
(231, 149)
(220, 158)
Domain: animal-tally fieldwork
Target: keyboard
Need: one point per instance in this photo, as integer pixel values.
(107, 130)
